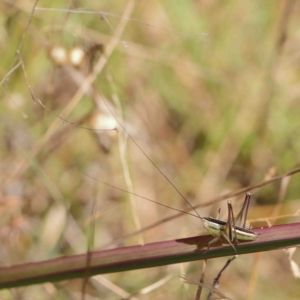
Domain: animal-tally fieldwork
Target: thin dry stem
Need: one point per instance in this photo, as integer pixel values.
(254, 276)
(127, 177)
(100, 281)
(123, 17)
(282, 192)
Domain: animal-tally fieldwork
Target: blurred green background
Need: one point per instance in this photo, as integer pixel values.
(208, 89)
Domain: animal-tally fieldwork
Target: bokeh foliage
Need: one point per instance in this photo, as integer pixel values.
(208, 89)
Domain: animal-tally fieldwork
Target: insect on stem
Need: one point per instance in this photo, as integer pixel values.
(234, 230)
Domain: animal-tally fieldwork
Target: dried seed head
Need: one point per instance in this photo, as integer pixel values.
(58, 55)
(103, 122)
(77, 56)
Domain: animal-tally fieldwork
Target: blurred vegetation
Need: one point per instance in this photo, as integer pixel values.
(208, 89)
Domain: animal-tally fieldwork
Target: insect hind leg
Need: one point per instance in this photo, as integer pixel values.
(227, 239)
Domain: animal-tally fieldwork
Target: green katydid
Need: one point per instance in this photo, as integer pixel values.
(234, 230)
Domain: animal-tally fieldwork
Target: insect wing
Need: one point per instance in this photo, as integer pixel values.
(214, 226)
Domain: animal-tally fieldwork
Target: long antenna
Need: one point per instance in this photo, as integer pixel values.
(139, 196)
(152, 162)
